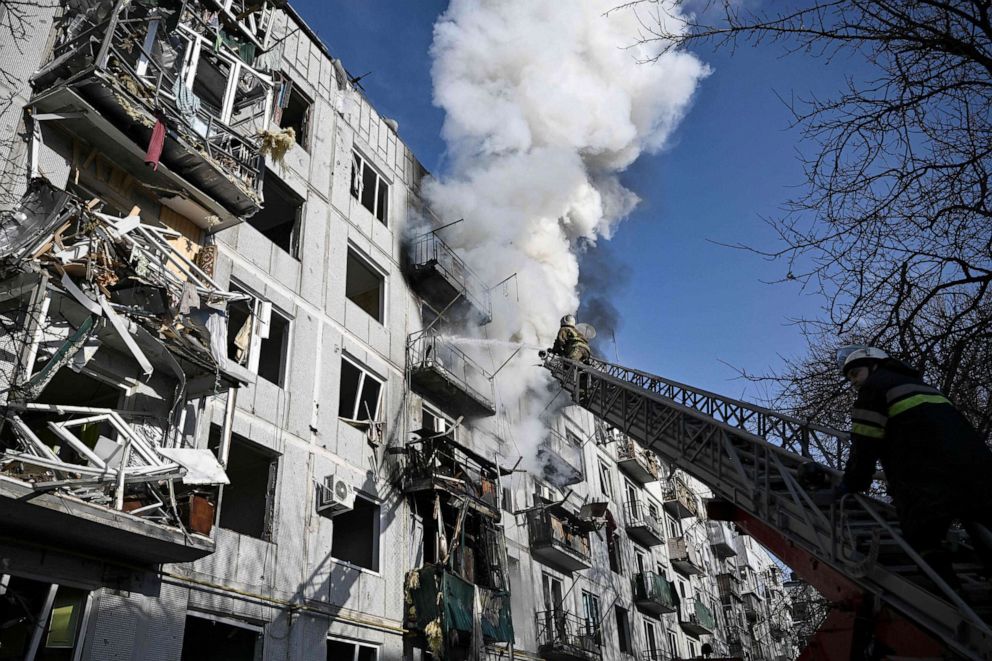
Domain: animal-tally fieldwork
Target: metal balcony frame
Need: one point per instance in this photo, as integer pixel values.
(430, 251)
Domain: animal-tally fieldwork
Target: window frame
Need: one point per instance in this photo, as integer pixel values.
(362, 164)
(377, 538)
(358, 644)
(271, 487)
(354, 253)
(306, 124)
(364, 373)
(605, 479)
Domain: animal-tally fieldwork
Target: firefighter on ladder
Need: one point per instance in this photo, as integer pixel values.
(570, 342)
(936, 465)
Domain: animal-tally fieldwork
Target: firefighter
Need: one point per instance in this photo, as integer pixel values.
(936, 465)
(571, 343)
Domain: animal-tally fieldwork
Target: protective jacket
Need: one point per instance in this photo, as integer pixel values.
(571, 344)
(935, 462)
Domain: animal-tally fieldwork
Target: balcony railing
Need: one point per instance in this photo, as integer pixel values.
(440, 276)
(126, 73)
(558, 542)
(561, 460)
(641, 465)
(721, 541)
(654, 593)
(696, 617)
(564, 636)
(642, 526)
(444, 373)
(684, 558)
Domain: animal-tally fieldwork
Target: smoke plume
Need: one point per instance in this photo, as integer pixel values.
(546, 103)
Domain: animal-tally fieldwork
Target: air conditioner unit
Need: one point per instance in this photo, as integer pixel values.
(335, 496)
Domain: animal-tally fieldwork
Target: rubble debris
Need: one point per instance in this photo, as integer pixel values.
(107, 297)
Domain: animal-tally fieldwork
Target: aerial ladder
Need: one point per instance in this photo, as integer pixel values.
(887, 602)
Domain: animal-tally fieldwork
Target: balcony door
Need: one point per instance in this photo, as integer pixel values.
(554, 616)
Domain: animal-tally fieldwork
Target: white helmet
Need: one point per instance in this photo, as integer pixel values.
(568, 320)
(858, 355)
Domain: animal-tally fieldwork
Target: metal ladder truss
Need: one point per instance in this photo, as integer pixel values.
(743, 454)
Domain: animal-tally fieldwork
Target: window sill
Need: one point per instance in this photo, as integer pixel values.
(348, 565)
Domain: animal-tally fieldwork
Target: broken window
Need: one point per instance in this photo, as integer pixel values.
(365, 286)
(356, 535)
(343, 650)
(295, 111)
(248, 502)
(273, 351)
(369, 188)
(439, 426)
(209, 640)
(613, 547)
(360, 393)
(280, 217)
(258, 337)
(623, 630)
(58, 608)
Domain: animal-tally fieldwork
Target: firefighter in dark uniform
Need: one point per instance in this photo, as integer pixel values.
(936, 465)
(570, 342)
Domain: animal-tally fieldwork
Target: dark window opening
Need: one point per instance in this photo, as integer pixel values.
(342, 650)
(296, 109)
(369, 188)
(273, 350)
(207, 640)
(364, 286)
(623, 630)
(279, 220)
(248, 502)
(356, 535)
(613, 548)
(359, 396)
(24, 602)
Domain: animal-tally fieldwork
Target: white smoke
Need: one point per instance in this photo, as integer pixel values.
(546, 102)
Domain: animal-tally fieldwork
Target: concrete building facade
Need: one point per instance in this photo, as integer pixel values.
(232, 425)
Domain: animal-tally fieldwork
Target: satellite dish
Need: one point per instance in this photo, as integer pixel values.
(587, 330)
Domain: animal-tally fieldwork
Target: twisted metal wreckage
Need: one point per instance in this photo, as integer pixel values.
(109, 336)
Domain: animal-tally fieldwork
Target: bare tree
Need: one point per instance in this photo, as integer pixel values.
(893, 227)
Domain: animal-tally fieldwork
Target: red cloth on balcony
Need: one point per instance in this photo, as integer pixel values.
(155, 145)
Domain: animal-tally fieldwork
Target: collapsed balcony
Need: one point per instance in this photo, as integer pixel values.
(564, 636)
(442, 372)
(640, 465)
(684, 558)
(696, 618)
(441, 610)
(642, 526)
(439, 464)
(653, 593)
(559, 538)
(680, 501)
(720, 539)
(442, 278)
(180, 84)
(561, 460)
(87, 480)
(110, 331)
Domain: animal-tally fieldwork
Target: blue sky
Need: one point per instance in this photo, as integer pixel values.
(691, 310)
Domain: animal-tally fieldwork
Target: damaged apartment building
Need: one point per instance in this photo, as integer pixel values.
(232, 423)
